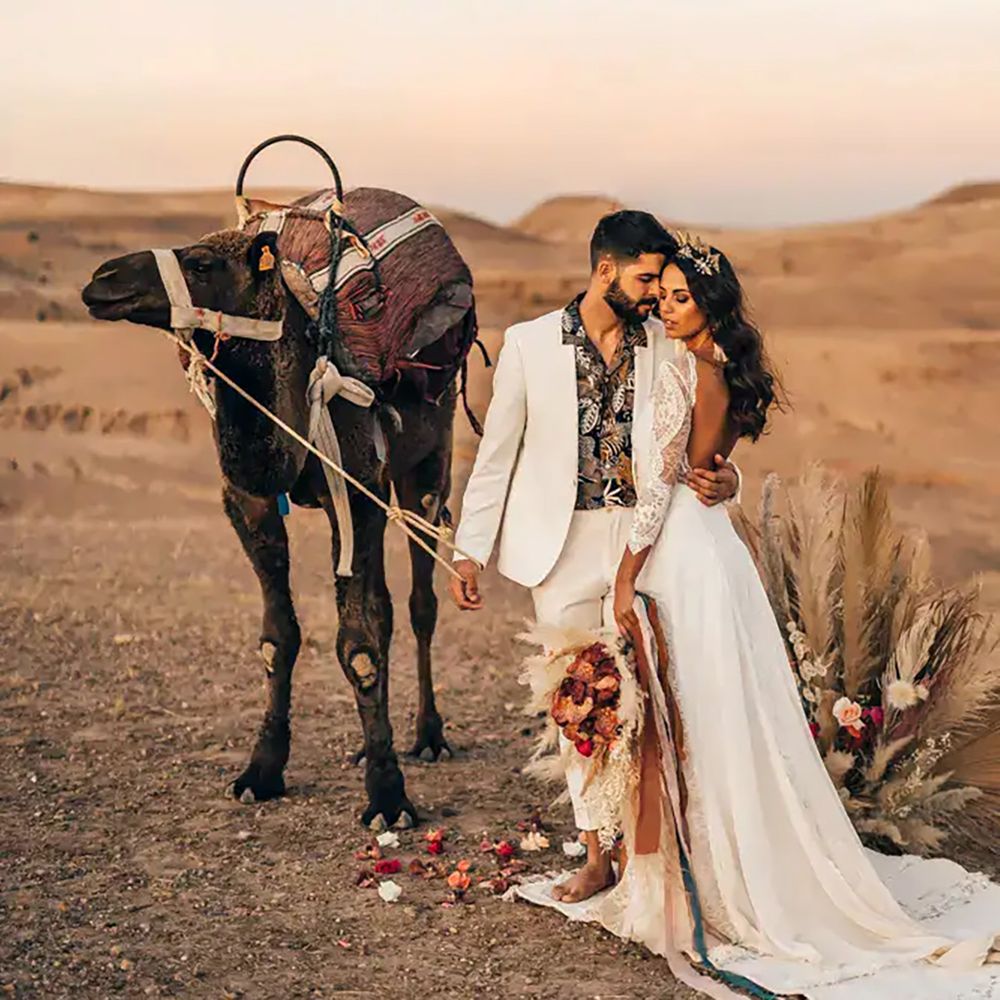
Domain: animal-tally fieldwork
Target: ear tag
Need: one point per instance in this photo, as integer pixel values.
(266, 262)
(284, 507)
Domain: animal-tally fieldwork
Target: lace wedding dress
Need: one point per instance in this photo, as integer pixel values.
(749, 869)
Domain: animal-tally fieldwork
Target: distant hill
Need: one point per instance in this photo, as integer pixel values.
(40, 203)
(566, 219)
(963, 193)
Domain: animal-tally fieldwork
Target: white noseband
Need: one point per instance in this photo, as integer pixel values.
(185, 317)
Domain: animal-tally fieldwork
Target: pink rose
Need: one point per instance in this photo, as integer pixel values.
(848, 714)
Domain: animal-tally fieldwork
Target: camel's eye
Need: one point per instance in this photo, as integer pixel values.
(200, 265)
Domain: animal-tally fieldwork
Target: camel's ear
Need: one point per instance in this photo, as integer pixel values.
(262, 257)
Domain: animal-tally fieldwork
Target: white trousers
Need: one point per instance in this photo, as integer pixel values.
(579, 593)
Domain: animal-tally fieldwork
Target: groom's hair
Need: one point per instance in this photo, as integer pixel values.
(627, 235)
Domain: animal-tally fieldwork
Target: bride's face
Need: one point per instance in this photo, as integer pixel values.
(678, 309)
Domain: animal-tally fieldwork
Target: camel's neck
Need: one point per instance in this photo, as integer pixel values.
(255, 455)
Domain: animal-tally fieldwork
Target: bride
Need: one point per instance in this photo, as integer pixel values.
(743, 868)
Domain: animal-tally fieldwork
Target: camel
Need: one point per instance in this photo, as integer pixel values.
(233, 271)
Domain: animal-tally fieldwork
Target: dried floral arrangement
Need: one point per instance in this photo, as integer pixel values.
(899, 676)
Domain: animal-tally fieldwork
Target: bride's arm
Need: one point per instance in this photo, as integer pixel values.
(670, 408)
(708, 435)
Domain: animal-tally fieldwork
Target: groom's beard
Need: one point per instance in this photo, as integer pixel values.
(628, 309)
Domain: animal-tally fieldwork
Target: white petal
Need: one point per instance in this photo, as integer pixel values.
(535, 842)
(389, 891)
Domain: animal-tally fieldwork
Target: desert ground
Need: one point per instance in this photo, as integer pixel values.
(128, 615)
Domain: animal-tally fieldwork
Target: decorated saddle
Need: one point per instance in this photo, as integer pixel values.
(404, 305)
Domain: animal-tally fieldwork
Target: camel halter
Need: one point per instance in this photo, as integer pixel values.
(325, 382)
(184, 316)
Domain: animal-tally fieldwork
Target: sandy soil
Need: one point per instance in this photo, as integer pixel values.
(128, 621)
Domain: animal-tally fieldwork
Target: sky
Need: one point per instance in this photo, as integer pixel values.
(742, 112)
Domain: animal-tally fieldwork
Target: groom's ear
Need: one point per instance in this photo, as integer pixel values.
(606, 269)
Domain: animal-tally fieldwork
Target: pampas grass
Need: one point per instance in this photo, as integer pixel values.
(863, 619)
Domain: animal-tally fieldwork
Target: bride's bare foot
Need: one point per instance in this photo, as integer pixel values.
(587, 882)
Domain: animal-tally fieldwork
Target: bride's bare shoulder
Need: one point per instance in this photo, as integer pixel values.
(711, 373)
(712, 389)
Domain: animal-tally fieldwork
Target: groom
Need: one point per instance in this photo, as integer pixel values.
(565, 450)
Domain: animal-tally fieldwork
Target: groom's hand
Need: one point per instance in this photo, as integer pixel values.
(714, 485)
(465, 591)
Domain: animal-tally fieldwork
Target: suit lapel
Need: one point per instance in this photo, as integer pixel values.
(565, 409)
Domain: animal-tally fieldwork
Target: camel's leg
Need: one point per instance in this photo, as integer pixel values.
(365, 628)
(262, 532)
(424, 489)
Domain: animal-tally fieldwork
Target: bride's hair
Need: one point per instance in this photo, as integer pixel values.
(754, 385)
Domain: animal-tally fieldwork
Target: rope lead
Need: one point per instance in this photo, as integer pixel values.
(407, 521)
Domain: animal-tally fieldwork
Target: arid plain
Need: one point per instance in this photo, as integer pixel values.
(128, 616)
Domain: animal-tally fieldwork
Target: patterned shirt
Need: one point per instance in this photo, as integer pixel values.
(605, 400)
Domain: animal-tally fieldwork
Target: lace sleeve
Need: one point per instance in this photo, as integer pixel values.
(671, 428)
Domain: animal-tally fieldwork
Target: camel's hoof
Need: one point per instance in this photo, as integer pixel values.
(258, 785)
(403, 817)
(431, 751)
(430, 744)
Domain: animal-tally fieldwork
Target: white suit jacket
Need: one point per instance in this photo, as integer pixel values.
(524, 482)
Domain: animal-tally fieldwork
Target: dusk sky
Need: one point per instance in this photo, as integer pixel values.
(752, 112)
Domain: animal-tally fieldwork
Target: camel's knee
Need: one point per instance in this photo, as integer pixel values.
(279, 646)
(267, 651)
(364, 671)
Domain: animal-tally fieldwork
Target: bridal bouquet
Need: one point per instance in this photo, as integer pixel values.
(586, 685)
(585, 705)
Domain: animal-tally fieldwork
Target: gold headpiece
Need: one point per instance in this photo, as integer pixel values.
(693, 248)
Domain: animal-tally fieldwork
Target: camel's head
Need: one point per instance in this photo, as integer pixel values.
(228, 271)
